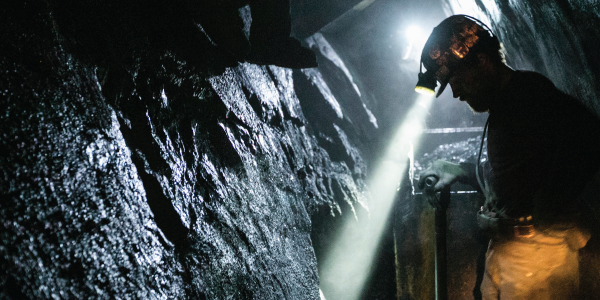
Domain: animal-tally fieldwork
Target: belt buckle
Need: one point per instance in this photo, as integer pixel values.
(524, 231)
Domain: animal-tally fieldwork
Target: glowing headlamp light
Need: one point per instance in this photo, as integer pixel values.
(426, 84)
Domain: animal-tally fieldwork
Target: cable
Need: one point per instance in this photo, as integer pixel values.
(481, 185)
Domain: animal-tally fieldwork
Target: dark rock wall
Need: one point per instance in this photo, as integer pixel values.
(140, 160)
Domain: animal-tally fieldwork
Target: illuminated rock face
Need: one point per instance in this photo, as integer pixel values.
(144, 175)
(140, 161)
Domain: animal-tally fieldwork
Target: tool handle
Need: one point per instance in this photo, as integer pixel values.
(441, 262)
(430, 182)
(440, 202)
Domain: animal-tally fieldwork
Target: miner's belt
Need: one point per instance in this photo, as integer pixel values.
(517, 231)
(521, 227)
(524, 231)
(518, 228)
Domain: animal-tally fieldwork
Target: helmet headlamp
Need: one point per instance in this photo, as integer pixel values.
(426, 84)
(448, 46)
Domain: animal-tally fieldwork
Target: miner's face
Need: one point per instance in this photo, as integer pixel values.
(472, 84)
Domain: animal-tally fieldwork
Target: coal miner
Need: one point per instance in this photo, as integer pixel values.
(543, 147)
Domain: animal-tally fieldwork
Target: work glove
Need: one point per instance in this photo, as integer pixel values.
(444, 173)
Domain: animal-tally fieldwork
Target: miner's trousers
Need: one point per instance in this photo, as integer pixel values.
(542, 267)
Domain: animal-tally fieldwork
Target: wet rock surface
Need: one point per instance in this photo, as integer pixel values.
(141, 161)
(463, 151)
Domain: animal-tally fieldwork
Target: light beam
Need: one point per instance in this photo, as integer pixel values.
(348, 262)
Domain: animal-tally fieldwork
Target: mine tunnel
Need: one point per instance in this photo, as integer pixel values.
(260, 149)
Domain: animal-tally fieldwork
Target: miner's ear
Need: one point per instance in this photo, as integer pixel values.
(484, 62)
(483, 59)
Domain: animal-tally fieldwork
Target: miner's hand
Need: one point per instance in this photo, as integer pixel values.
(440, 175)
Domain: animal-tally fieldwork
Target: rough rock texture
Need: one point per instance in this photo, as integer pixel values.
(140, 160)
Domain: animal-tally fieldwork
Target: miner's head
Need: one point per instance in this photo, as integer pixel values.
(463, 52)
